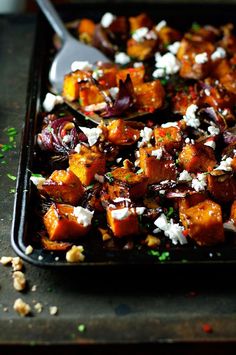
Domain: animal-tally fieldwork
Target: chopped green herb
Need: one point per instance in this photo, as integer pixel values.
(1, 156)
(37, 175)
(164, 256)
(154, 252)
(170, 212)
(6, 147)
(12, 177)
(160, 139)
(3, 162)
(89, 187)
(81, 328)
(12, 191)
(61, 114)
(140, 171)
(11, 132)
(168, 135)
(109, 177)
(128, 176)
(195, 26)
(164, 81)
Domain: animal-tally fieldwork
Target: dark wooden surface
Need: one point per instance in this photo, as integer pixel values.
(135, 311)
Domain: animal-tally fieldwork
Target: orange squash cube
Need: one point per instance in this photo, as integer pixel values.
(89, 95)
(64, 186)
(141, 50)
(157, 169)
(204, 223)
(86, 26)
(127, 225)
(127, 183)
(136, 75)
(233, 212)
(222, 186)
(168, 137)
(72, 83)
(119, 132)
(62, 224)
(142, 20)
(197, 158)
(189, 201)
(149, 96)
(87, 163)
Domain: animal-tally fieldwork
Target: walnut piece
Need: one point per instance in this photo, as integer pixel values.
(19, 281)
(75, 254)
(22, 308)
(17, 263)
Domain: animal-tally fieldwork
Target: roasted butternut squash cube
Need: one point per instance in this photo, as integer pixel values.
(204, 223)
(89, 95)
(149, 96)
(233, 164)
(157, 164)
(222, 186)
(168, 35)
(64, 186)
(233, 212)
(107, 78)
(126, 183)
(168, 137)
(136, 75)
(141, 50)
(72, 83)
(120, 132)
(123, 222)
(189, 201)
(62, 223)
(197, 158)
(86, 30)
(142, 20)
(87, 163)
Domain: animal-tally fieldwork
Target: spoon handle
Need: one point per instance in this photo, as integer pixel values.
(53, 18)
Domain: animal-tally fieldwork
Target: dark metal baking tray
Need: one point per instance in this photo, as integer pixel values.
(179, 15)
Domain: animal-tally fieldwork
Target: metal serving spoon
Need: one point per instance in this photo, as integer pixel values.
(72, 50)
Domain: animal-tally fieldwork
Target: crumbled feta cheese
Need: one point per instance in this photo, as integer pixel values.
(225, 164)
(75, 254)
(97, 74)
(185, 176)
(167, 64)
(160, 25)
(38, 307)
(207, 92)
(157, 153)
(40, 257)
(38, 181)
(81, 65)
(201, 58)
(34, 288)
(118, 160)
(218, 54)
(19, 281)
(122, 58)
(138, 64)
(84, 216)
(225, 112)
(66, 139)
(171, 230)
(22, 308)
(29, 250)
(162, 192)
(92, 134)
(199, 183)
(95, 107)
(174, 47)
(139, 210)
(120, 213)
(169, 124)
(53, 310)
(99, 178)
(146, 134)
(213, 130)
(140, 34)
(107, 19)
(211, 144)
(77, 148)
(190, 116)
(51, 101)
(121, 199)
(151, 35)
(114, 92)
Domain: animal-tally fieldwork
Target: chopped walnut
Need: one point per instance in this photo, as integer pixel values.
(22, 308)
(29, 250)
(38, 307)
(5, 260)
(19, 281)
(75, 254)
(53, 310)
(34, 288)
(17, 263)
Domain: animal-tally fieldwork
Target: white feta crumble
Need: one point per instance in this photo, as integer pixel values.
(51, 101)
(157, 153)
(174, 47)
(185, 176)
(114, 92)
(138, 64)
(200, 182)
(146, 134)
(160, 25)
(167, 64)
(207, 92)
(96, 107)
(81, 65)
(78, 148)
(92, 134)
(40, 257)
(140, 34)
(201, 58)
(122, 58)
(84, 216)
(66, 139)
(97, 74)
(118, 160)
(213, 130)
(53, 310)
(211, 144)
(139, 210)
(99, 178)
(171, 230)
(121, 199)
(225, 164)
(120, 213)
(218, 54)
(169, 124)
(190, 116)
(29, 250)
(107, 19)
(38, 181)
(151, 35)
